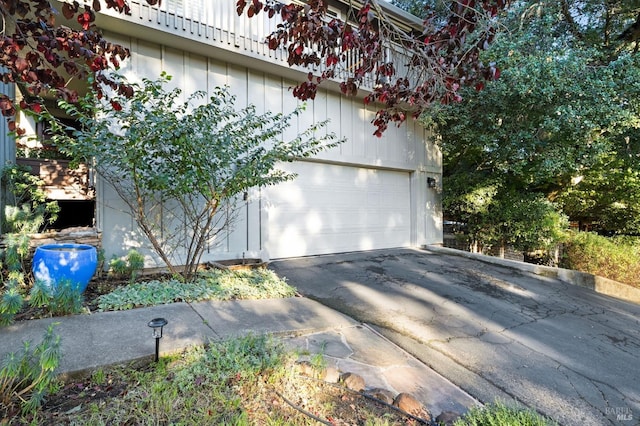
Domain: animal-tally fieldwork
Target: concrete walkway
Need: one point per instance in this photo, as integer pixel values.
(495, 329)
(91, 341)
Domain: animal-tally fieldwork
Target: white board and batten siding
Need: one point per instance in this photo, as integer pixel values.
(368, 193)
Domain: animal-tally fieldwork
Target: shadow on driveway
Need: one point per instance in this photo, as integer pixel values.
(496, 332)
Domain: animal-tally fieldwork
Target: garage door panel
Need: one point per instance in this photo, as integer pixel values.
(332, 208)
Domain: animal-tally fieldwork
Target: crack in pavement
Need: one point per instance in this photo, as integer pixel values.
(599, 385)
(531, 338)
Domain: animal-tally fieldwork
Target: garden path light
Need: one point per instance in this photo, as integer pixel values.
(156, 324)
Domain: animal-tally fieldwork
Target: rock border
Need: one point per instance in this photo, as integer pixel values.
(403, 401)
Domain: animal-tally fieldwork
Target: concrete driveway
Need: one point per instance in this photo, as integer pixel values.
(496, 332)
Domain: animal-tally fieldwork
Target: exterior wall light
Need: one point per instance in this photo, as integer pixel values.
(431, 183)
(156, 324)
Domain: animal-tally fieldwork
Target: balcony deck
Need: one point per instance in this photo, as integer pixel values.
(213, 28)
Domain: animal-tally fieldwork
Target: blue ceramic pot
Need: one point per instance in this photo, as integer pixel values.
(57, 263)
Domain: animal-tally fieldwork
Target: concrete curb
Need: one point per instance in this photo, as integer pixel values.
(598, 284)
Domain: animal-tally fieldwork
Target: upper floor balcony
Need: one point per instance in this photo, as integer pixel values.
(213, 28)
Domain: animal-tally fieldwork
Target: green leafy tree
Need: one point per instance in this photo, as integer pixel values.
(606, 197)
(496, 216)
(560, 121)
(528, 222)
(181, 167)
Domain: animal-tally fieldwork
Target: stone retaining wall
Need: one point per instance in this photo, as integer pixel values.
(79, 235)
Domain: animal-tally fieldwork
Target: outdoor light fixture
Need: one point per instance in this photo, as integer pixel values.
(156, 324)
(431, 182)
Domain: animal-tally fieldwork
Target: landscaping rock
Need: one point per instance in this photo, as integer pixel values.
(408, 403)
(383, 395)
(330, 375)
(447, 418)
(306, 368)
(352, 381)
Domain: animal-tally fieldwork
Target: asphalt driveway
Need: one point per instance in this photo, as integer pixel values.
(496, 332)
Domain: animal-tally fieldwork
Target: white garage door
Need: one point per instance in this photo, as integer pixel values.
(333, 209)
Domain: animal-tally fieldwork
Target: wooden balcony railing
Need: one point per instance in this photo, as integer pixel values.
(215, 22)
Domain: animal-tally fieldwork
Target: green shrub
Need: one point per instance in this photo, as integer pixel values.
(27, 209)
(499, 414)
(118, 267)
(616, 258)
(28, 375)
(212, 285)
(66, 299)
(136, 263)
(11, 299)
(129, 266)
(16, 251)
(10, 304)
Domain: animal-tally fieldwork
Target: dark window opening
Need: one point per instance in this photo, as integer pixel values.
(75, 213)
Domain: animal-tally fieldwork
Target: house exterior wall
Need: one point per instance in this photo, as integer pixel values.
(405, 149)
(203, 44)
